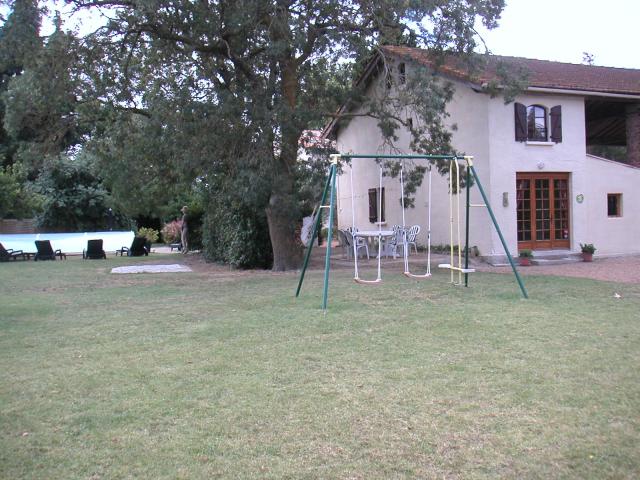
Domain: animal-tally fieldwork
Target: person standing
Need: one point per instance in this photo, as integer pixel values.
(184, 230)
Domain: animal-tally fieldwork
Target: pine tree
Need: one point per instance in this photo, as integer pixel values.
(20, 45)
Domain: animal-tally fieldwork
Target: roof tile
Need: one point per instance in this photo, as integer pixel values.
(541, 73)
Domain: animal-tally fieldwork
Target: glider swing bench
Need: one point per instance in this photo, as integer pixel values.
(455, 265)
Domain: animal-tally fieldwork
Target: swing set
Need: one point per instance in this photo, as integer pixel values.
(455, 265)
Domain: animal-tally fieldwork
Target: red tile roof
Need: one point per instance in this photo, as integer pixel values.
(541, 73)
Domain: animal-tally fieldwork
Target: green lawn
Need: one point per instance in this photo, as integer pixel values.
(200, 376)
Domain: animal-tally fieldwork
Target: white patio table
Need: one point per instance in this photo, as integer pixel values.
(375, 234)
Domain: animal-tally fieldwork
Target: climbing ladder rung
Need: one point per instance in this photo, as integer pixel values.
(477, 205)
(457, 269)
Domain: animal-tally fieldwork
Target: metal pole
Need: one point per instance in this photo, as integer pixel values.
(495, 224)
(315, 229)
(413, 157)
(466, 235)
(429, 227)
(327, 262)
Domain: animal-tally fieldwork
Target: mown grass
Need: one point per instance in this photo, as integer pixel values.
(206, 376)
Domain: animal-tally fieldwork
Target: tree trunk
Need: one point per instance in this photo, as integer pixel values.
(282, 211)
(287, 250)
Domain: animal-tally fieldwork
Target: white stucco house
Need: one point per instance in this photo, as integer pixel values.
(548, 192)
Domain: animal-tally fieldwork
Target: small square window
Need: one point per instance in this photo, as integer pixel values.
(614, 204)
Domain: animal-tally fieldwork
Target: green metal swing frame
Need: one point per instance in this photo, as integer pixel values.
(330, 188)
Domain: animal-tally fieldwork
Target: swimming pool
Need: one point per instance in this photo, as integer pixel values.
(68, 242)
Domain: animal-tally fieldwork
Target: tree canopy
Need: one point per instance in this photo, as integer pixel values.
(168, 94)
(233, 84)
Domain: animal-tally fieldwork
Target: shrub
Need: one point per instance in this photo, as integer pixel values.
(171, 231)
(526, 253)
(237, 235)
(149, 233)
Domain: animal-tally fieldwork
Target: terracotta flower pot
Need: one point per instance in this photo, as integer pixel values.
(525, 262)
(587, 257)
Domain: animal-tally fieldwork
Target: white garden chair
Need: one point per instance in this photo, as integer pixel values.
(360, 241)
(411, 238)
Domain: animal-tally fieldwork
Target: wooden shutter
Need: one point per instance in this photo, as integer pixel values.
(373, 205)
(521, 122)
(556, 124)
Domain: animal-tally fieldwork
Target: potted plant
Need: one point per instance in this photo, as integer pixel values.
(525, 257)
(587, 251)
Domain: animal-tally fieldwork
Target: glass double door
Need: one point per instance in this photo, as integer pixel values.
(542, 202)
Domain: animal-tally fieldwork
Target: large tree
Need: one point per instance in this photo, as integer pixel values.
(247, 77)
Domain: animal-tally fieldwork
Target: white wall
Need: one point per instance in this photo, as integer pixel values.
(486, 130)
(361, 135)
(610, 235)
(509, 157)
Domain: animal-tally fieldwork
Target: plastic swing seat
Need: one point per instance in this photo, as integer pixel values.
(457, 269)
(359, 280)
(416, 276)
(367, 282)
(407, 273)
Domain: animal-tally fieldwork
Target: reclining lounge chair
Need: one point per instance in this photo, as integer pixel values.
(138, 248)
(45, 251)
(7, 254)
(94, 250)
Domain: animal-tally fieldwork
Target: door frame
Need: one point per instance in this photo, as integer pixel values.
(552, 242)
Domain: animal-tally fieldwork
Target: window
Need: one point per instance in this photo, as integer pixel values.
(402, 76)
(532, 123)
(614, 204)
(536, 123)
(373, 205)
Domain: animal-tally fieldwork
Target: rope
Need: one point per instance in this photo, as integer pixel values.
(380, 224)
(405, 238)
(451, 218)
(404, 225)
(454, 215)
(458, 218)
(353, 226)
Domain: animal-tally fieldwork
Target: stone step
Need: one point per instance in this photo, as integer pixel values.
(554, 254)
(540, 262)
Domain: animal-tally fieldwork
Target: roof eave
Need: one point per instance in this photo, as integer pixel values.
(584, 93)
(364, 76)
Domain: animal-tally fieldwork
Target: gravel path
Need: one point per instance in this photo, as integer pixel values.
(616, 269)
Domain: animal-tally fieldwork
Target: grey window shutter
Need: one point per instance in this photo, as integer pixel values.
(556, 124)
(521, 122)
